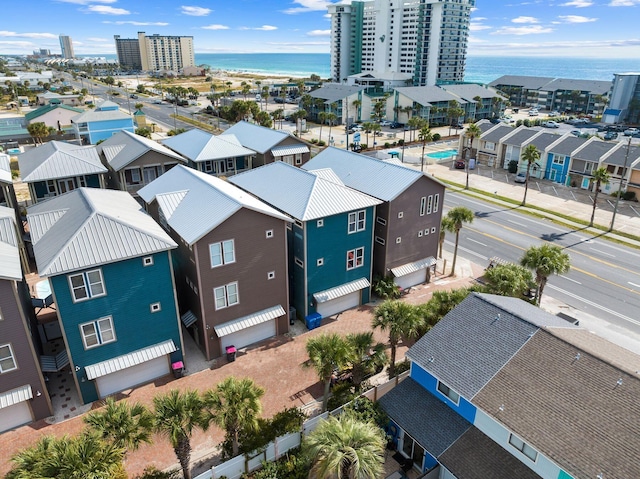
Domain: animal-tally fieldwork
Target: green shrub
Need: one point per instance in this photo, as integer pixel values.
(322, 143)
(629, 196)
(364, 409)
(401, 142)
(151, 472)
(313, 140)
(387, 144)
(385, 288)
(512, 166)
(341, 394)
(436, 137)
(402, 367)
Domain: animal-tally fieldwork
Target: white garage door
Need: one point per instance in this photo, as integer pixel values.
(14, 416)
(348, 301)
(412, 279)
(249, 335)
(133, 376)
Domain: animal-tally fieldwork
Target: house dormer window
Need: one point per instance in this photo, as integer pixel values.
(523, 447)
(448, 392)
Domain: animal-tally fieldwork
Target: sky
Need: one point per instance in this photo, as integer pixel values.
(576, 28)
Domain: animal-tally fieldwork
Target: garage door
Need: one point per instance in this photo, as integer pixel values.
(14, 416)
(249, 335)
(133, 376)
(411, 279)
(348, 301)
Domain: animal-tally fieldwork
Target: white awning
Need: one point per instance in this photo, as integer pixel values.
(188, 319)
(409, 268)
(127, 360)
(289, 150)
(342, 290)
(15, 396)
(250, 320)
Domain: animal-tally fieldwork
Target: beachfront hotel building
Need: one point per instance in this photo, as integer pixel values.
(66, 46)
(424, 38)
(128, 51)
(164, 52)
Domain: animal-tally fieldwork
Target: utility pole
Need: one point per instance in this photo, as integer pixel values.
(624, 172)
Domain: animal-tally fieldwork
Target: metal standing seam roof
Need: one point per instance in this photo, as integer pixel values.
(409, 268)
(131, 359)
(198, 145)
(15, 396)
(334, 92)
(342, 290)
(188, 318)
(125, 147)
(89, 227)
(101, 115)
(469, 91)
(426, 95)
(43, 110)
(300, 193)
(381, 179)
(289, 150)
(10, 267)
(245, 322)
(526, 82)
(5, 168)
(194, 203)
(257, 137)
(57, 159)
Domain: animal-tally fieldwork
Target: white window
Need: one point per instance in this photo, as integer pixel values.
(320, 262)
(298, 223)
(448, 392)
(298, 159)
(97, 332)
(400, 215)
(269, 233)
(430, 205)
(147, 261)
(7, 362)
(357, 221)
(135, 175)
(423, 205)
(155, 307)
(523, 447)
(226, 295)
(355, 258)
(271, 275)
(398, 240)
(436, 201)
(420, 234)
(381, 220)
(222, 253)
(299, 262)
(320, 223)
(87, 285)
(380, 240)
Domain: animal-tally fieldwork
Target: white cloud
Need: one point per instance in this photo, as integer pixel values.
(215, 27)
(319, 33)
(623, 3)
(4, 33)
(195, 11)
(577, 3)
(106, 10)
(525, 20)
(528, 30)
(477, 26)
(264, 28)
(307, 6)
(137, 24)
(576, 19)
(86, 2)
(96, 39)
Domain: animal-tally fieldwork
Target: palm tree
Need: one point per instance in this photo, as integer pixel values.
(330, 118)
(401, 320)
(322, 117)
(346, 448)
(602, 177)
(177, 415)
(357, 104)
(456, 217)
(375, 128)
(38, 131)
(365, 356)
(367, 125)
(473, 131)
(425, 136)
(508, 279)
(545, 260)
(123, 424)
(327, 353)
(530, 155)
(235, 407)
(444, 227)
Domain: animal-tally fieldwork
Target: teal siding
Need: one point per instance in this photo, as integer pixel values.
(131, 289)
(93, 181)
(103, 130)
(564, 475)
(41, 189)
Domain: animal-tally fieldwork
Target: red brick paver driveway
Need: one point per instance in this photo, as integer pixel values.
(275, 365)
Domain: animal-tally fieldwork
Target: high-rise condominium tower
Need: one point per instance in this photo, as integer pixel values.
(66, 45)
(424, 38)
(160, 52)
(128, 50)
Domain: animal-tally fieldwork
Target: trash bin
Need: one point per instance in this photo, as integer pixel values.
(313, 320)
(178, 369)
(231, 353)
(292, 315)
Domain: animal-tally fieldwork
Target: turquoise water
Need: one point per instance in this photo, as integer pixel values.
(443, 154)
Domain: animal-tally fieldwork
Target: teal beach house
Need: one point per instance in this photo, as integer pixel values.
(109, 266)
(330, 242)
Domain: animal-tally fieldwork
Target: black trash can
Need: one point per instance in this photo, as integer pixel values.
(178, 369)
(231, 353)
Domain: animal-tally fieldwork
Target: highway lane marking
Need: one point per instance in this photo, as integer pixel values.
(476, 241)
(570, 279)
(602, 252)
(634, 284)
(516, 223)
(595, 305)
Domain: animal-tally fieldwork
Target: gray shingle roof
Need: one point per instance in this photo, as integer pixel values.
(521, 135)
(568, 145)
(569, 408)
(541, 142)
(476, 456)
(618, 156)
(595, 150)
(595, 87)
(425, 95)
(497, 134)
(483, 326)
(469, 91)
(195, 203)
(381, 179)
(257, 137)
(299, 193)
(432, 423)
(529, 83)
(199, 145)
(125, 147)
(89, 227)
(333, 92)
(57, 159)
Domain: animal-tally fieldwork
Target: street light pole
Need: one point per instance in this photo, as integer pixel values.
(347, 122)
(624, 172)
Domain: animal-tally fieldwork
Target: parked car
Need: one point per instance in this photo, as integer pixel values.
(458, 125)
(550, 124)
(133, 95)
(610, 135)
(495, 120)
(459, 165)
(385, 123)
(157, 101)
(533, 113)
(520, 178)
(395, 124)
(278, 99)
(554, 113)
(631, 132)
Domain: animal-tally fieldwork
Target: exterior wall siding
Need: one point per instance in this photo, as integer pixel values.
(13, 330)
(381, 231)
(296, 240)
(103, 130)
(150, 158)
(131, 288)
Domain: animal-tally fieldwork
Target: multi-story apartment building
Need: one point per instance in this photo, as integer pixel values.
(162, 52)
(128, 50)
(427, 39)
(66, 46)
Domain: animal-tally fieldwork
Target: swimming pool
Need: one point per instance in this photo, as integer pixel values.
(443, 154)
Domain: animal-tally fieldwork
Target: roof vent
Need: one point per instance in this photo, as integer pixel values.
(619, 382)
(577, 357)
